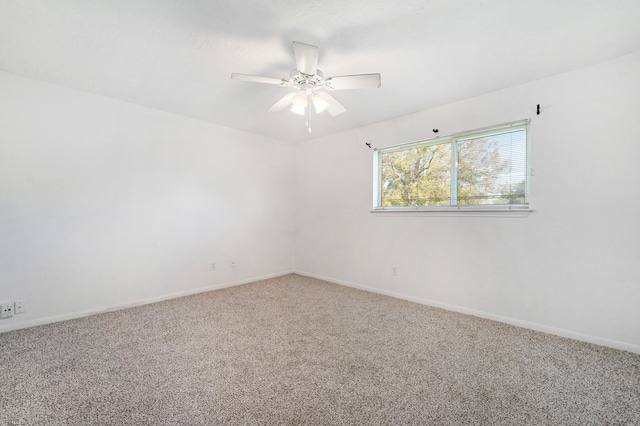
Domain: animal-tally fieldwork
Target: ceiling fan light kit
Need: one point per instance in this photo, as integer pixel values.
(311, 86)
(319, 103)
(299, 102)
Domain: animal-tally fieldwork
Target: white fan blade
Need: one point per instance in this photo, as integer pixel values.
(335, 107)
(306, 58)
(259, 79)
(282, 103)
(360, 81)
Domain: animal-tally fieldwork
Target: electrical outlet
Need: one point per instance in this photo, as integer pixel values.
(20, 307)
(394, 271)
(213, 266)
(6, 309)
(233, 263)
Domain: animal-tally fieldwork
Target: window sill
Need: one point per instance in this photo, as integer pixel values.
(454, 211)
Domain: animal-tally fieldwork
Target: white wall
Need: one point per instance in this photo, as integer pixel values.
(571, 268)
(105, 203)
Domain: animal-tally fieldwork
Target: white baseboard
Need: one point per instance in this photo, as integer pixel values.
(111, 308)
(507, 320)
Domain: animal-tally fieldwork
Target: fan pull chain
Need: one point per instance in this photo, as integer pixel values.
(309, 111)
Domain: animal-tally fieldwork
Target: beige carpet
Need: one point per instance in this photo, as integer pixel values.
(295, 350)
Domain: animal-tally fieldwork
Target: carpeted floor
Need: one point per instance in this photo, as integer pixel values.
(296, 350)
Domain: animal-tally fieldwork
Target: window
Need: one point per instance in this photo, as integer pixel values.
(485, 169)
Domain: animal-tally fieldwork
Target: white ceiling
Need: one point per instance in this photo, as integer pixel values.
(177, 56)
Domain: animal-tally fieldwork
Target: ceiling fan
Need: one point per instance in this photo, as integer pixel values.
(311, 88)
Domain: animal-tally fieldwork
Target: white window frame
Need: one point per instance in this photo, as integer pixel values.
(454, 209)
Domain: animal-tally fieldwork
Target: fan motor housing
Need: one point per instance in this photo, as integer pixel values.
(302, 80)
